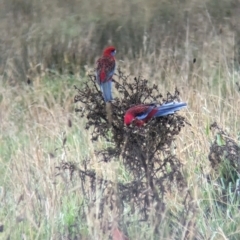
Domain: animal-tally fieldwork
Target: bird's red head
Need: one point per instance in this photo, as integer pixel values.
(128, 118)
(109, 51)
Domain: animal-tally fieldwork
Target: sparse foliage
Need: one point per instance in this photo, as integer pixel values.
(224, 156)
(145, 152)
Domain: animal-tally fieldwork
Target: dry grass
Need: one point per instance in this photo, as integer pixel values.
(51, 45)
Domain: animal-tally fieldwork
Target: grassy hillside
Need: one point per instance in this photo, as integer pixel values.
(49, 164)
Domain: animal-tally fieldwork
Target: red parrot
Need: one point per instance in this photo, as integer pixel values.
(105, 69)
(142, 113)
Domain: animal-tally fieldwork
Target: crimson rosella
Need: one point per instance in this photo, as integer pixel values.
(140, 114)
(104, 72)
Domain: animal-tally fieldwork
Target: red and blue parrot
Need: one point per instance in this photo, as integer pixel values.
(140, 114)
(104, 72)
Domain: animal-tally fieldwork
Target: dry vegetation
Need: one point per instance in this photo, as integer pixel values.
(56, 183)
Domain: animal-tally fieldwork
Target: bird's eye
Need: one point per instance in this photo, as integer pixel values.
(114, 52)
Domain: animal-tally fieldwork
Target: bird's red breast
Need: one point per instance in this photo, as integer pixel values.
(106, 65)
(105, 68)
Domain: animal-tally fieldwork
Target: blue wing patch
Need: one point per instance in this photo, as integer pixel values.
(144, 114)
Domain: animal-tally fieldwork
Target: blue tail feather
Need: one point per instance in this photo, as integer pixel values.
(169, 108)
(106, 89)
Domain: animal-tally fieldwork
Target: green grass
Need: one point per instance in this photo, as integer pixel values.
(40, 203)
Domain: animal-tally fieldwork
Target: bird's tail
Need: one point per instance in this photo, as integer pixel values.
(106, 89)
(169, 108)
